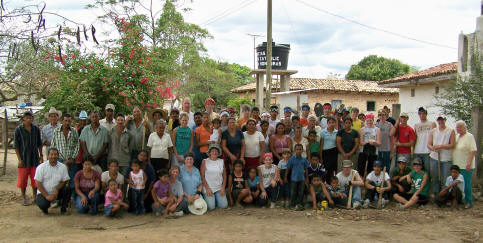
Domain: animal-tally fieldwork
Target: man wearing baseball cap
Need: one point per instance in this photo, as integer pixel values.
(405, 136)
(422, 130)
(399, 184)
(349, 177)
(108, 121)
(441, 142)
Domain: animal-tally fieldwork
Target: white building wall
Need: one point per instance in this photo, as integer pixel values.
(423, 96)
(291, 100)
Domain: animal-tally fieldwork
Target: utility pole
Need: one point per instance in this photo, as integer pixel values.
(269, 56)
(254, 48)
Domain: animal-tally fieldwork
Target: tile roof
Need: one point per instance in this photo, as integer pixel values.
(325, 84)
(442, 69)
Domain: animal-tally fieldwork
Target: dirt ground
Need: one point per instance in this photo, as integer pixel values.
(427, 224)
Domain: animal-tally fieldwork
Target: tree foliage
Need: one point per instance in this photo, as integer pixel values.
(375, 68)
(466, 92)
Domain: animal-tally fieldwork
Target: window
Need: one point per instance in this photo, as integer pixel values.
(436, 90)
(336, 103)
(413, 92)
(371, 106)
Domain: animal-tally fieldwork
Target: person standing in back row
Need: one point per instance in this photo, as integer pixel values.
(384, 150)
(404, 137)
(347, 142)
(441, 142)
(422, 130)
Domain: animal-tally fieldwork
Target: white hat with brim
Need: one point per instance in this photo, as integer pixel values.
(198, 207)
(52, 110)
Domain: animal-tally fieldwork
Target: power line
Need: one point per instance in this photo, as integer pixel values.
(228, 12)
(374, 28)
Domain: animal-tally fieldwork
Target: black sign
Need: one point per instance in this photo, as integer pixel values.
(279, 56)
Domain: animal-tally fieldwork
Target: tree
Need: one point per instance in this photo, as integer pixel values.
(376, 68)
(460, 96)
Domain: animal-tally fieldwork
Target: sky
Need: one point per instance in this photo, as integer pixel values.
(321, 43)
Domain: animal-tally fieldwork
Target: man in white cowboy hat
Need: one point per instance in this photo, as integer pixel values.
(53, 116)
(156, 114)
(198, 207)
(108, 122)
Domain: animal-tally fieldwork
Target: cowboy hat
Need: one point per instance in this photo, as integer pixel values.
(164, 114)
(213, 146)
(52, 110)
(198, 207)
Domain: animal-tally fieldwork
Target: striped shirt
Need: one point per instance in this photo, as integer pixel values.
(68, 148)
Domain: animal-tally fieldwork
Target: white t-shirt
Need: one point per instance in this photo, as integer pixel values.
(422, 130)
(377, 179)
(267, 174)
(214, 174)
(461, 185)
(344, 179)
(252, 144)
(159, 146)
(105, 177)
(51, 176)
(304, 143)
(273, 122)
(108, 125)
(214, 136)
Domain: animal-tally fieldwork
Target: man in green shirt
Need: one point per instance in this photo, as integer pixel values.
(420, 188)
(400, 185)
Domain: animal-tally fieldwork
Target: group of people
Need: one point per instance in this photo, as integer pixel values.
(191, 162)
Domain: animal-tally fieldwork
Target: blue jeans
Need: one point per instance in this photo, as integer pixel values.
(434, 173)
(385, 158)
(356, 194)
(137, 200)
(297, 193)
(216, 200)
(285, 191)
(90, 201)
(468, 187)
(425, 159)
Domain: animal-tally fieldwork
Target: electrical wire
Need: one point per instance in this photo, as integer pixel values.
(375, 28)
(228, 12)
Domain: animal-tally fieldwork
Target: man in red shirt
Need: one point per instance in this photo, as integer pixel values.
(304, 120)
(404, 136)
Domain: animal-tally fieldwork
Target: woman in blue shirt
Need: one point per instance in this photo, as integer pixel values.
(190, 178)
(328, 145)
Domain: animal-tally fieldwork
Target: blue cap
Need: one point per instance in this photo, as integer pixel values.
(83, 115)
(378, 163)
(305, 107)
(344, 110)
(287, 109)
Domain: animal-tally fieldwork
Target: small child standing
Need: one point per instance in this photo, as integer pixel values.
(137, 181)
(454, 189)
(254, 184)
(336, 193)
(284, 187)
(162, 195)
(313, 147)
(318, 192)
(316, 168)
(113, 200)
(215, 136)
(297, 169)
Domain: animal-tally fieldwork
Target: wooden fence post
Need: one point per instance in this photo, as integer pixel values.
(5, 142)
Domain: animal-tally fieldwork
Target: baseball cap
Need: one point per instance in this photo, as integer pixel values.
(403, 159)
(265, 114)
(417, 161)
(344, 110)
(422, 110)
(224, 113)
(404, 114)
(347, 163)
(441, 117)
(378, 163)
(287, 109)
(355, 109)
(28, 113)
(274, 108)
(110, 106)
(305, 107)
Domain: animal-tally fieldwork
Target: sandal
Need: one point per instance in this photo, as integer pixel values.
(25, 202)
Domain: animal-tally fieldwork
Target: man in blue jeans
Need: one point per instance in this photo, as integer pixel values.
(297, 168)
(422, 130)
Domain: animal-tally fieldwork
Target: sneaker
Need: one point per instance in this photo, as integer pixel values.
(54, 204)
(272, 205)
(356, 205)
(400, 206)
(178, 214)
(366, 203)
(157, 214)
(384, 202)
(282, 204)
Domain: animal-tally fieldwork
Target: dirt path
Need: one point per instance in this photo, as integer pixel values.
(428, 224)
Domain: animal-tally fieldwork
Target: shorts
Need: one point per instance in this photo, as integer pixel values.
(235, 192)
(23, 176)
(422, 200)
(108, 210)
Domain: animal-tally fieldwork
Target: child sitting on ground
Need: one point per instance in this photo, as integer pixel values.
(453, 191)
(238, 189)
(162, 195)
(137, 181)
(284, 187)
(398, 183)
(420, 187)
(375, 185)
(336, 193)
(254, 184)
(318, 192)
(113, 201)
